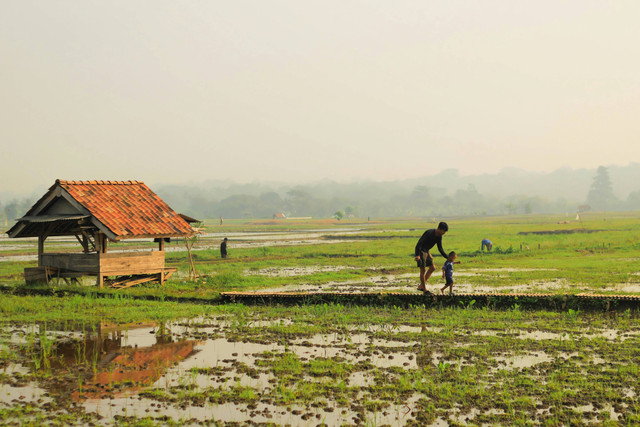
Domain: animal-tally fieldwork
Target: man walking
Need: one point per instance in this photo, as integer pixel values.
(423, 256)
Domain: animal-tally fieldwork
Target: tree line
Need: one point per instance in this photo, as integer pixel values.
(424, 197)
(445, 194)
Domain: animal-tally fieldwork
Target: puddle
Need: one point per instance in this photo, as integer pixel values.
(523, 361)
(298, 271)
(207, 241)
(177, 369)
(480, 271)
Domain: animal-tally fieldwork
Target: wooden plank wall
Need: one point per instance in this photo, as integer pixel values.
(85, 263)
(109, 264)
(120, 264)
(35, 275)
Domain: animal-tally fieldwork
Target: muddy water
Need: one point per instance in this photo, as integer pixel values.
(206, 242)
(151, 370)
(407, 282)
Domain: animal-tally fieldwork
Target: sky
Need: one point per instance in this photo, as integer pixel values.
(299, 91)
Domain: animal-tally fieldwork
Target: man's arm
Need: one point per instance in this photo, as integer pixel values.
(441, 250)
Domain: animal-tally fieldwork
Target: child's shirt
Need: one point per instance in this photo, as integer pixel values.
(448, 270)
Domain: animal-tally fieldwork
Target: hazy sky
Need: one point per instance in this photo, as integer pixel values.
(186, 91)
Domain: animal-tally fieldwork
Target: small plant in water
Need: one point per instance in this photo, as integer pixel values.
(443, 366)
(573, 314)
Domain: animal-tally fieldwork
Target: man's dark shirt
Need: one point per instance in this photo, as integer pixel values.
(223, 249)
(428, 240)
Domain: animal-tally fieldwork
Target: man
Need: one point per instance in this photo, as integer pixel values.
(423, 256)
(223, 248)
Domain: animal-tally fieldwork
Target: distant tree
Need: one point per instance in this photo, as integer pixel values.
(421, 192)
(270, 203)
(13, 210)
(271, 198)
(338, 215)
(600, 196)
(239, 206)
(469, 200)
(301, 202)
(350, 211)
(633, 200)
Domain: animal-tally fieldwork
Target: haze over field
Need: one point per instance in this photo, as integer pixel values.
(185, 92)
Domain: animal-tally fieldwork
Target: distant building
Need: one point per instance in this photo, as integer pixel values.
(279, 215)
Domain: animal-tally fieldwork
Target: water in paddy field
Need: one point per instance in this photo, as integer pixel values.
(190, 369)
(239, 240)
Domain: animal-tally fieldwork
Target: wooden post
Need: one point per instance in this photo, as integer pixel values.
(99, 249)
(41, 240)
(161, 249)
(97, 238)
(193, 267)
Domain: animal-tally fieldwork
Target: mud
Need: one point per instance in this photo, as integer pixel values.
(297, 271)
(234, 370)
(209, 241)
(572, 231)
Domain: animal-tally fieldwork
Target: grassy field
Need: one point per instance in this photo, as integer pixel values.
(599, 253)
(337, 364)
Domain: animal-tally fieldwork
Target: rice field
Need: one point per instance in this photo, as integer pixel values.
(178, 354)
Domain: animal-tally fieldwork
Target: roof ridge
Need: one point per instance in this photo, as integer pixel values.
(97, 182)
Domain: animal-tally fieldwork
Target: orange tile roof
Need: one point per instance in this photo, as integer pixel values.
(127, 208)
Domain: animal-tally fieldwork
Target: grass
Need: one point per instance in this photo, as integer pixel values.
(603, 260)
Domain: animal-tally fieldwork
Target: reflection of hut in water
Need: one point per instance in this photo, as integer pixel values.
(116, 368)
(95, 213)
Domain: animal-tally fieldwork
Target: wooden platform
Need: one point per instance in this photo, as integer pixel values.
(604, 302)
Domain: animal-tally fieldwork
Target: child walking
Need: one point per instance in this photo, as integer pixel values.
(447, 272)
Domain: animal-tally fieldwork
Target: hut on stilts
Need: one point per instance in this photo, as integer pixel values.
(96, 213)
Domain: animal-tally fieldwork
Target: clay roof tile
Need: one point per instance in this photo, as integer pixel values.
(127, 208)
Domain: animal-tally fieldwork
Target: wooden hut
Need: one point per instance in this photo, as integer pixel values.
(96, 213)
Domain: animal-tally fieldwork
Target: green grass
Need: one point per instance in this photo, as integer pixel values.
(578, 262)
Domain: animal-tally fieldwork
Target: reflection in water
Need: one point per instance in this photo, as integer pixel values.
(106, 364)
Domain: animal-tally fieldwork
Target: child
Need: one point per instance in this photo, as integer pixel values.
(447, 272)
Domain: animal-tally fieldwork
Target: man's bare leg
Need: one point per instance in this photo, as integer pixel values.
(429, 272)
(424, 276)
(423, 281)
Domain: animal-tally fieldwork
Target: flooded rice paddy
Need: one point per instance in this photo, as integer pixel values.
(386, 279)
(237, 240)
(249, 369)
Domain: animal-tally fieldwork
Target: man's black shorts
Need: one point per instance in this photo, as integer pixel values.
(425, 260)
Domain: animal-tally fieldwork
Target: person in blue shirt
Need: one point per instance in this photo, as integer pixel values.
(423, 257)
(488, 243)
(447, 272)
